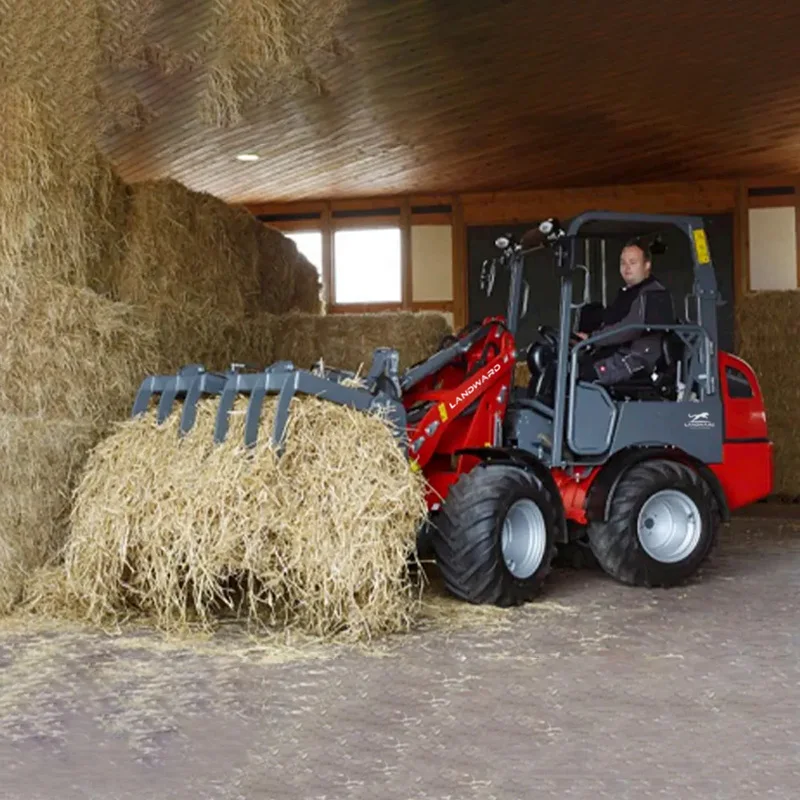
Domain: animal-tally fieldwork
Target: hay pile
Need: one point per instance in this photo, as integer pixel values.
(261, 50)
(180, 531)
(346, 341)
(69, 354)
(768, 325)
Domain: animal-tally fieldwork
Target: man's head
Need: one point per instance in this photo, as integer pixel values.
(635, 262)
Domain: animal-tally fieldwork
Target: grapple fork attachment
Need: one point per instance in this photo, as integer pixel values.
(282, 378)
(191, 383)
(287, 381)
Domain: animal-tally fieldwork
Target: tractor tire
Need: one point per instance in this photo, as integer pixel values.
(494, 539)
(663, 524)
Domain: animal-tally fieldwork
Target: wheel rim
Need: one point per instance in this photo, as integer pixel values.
(524, 538)
(669, 526)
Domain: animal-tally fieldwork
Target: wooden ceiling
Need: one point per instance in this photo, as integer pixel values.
(460, 95)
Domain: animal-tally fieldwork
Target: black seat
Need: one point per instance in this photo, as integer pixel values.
(662, 382)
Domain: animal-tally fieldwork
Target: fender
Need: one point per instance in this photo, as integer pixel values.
(527, 461)
(601, 493)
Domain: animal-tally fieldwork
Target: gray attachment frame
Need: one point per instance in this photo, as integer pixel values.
(191, 381)
(282, 378)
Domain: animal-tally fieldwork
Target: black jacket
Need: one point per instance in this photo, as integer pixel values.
(646, 303)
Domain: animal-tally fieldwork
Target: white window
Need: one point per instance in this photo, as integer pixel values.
(309, 243)
(367, 266)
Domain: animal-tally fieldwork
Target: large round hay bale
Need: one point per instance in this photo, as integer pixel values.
(318, 540)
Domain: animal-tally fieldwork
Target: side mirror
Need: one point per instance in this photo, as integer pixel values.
(488, 275)
(502, 242)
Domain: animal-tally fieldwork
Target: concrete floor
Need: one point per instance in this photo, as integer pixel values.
(597, 691)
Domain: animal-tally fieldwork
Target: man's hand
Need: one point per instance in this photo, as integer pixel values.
(582, 335)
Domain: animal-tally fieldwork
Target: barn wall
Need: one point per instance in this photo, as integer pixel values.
(432, 262)
(762, 254)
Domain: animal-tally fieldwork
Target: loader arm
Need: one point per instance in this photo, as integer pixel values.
(461, 408)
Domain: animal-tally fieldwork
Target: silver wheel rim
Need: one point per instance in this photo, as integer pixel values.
(524, 538)
(669, 526)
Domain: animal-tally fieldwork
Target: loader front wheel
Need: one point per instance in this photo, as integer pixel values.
(663, 524)
(494, 539)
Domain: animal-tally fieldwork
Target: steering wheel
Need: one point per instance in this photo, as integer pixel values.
(550, 335)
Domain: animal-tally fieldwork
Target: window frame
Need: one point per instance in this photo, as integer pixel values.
(328, 217)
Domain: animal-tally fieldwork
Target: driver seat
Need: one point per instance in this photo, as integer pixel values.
(541, 360)
(662, 382)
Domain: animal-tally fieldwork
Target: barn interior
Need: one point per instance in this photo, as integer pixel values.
(249, 182)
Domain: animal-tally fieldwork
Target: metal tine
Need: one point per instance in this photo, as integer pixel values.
(227, 398)
(157, 385)
(282, 411)
(254, 407)
(148, 388)
(173, 386)
(207, 383)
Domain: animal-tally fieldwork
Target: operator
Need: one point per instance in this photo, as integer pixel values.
(643, 300)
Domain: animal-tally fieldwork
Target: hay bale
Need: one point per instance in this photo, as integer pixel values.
(261, 50)
(39, 461)
(61, 207)
(346, 341)
(51, 165)
(289, 282)
(317, 540)
(68, 353)
(187, 249)
(196, 335)
(768, 325)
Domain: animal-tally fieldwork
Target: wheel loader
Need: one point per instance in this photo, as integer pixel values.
(642, 475)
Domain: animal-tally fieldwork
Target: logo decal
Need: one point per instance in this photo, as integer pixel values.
(470, 390)
(700, 420)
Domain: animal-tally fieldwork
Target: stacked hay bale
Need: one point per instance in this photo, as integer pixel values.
(262, 50)
(768, 327)
(205, 272)
(67, 355)
(79, 254)
(346, 341)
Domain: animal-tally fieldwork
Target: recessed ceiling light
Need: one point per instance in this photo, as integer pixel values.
(248, 157)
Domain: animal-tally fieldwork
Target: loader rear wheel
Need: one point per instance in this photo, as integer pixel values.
(494, 539)
(663, 523)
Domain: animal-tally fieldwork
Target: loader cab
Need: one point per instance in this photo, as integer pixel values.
(677, 405)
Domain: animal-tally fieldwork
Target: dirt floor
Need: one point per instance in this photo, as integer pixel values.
(597, 691)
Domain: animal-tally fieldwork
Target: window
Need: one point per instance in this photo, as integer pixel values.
(309, 243)
(367, 266)
(738, 385)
